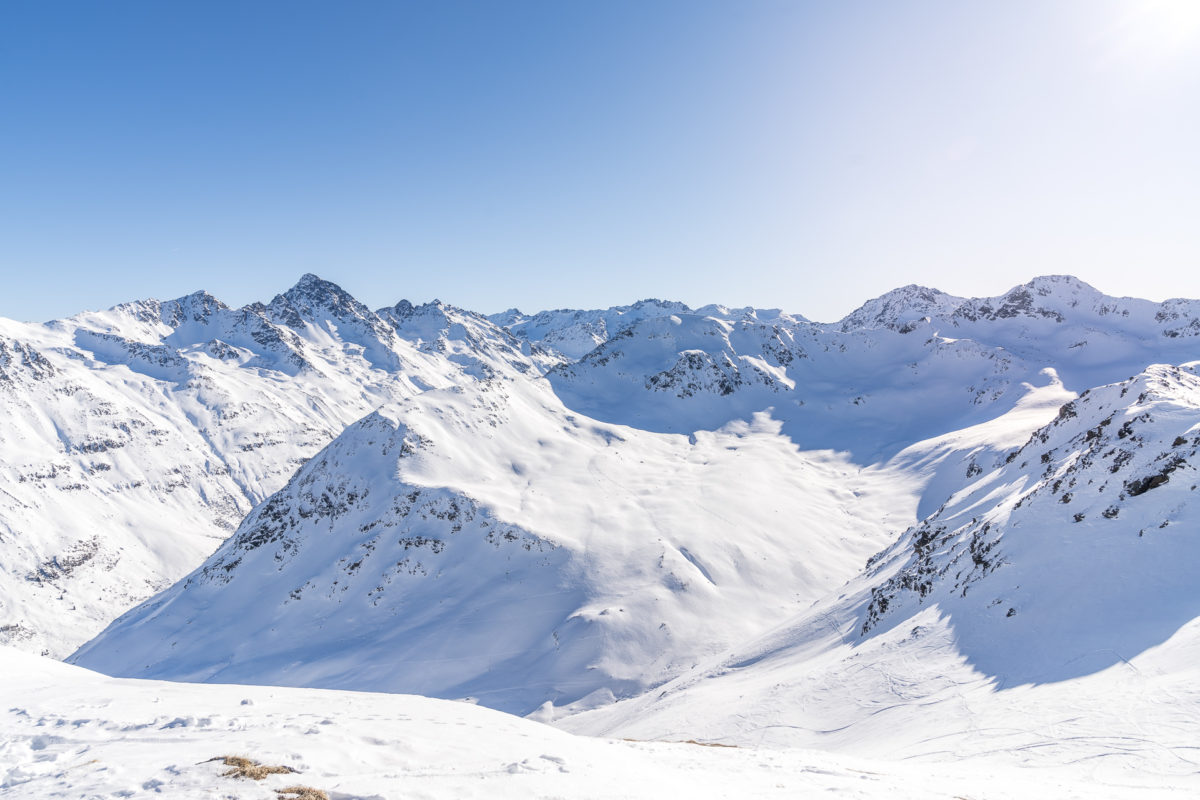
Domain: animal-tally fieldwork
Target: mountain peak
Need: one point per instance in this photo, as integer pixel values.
(314, 287)
(405, 310)
(1046, 284)
(199, 306)
(900, 308)
(1064, 288)
(313, 296)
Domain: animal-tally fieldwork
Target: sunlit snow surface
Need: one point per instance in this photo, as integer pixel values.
(490, 543)
(69, 733)
(1046, 613)
(953, 536)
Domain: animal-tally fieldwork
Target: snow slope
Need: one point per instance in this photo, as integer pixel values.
(611, 557)
(486, 542)
(1047, 613)
(136, 439)
(69, 733)
(649, 522)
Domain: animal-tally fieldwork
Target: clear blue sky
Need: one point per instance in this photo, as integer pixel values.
(588, 153)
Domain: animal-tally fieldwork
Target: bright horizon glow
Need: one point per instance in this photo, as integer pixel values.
(1157, 29)
(537, 154)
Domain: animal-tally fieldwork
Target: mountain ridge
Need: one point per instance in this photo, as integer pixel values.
(138, 437)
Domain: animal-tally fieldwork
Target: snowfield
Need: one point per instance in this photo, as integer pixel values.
(70, 733)
(1046, 613)
(942, 547)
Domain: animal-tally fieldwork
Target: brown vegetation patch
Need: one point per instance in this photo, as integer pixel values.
(301, 793)
(248, 768)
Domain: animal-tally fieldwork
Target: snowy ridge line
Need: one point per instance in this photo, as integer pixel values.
(160, 424)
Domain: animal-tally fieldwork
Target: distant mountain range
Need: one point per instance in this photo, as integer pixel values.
(548, 513)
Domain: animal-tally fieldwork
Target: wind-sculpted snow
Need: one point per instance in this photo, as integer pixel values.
(135, 439)
(1047, 612)
(487, 542)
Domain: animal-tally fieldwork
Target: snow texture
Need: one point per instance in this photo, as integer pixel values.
(69, 733)
(948, 530)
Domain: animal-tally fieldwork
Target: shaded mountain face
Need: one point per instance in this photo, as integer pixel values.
(1076, 552)
(136, 439)
(864, 392)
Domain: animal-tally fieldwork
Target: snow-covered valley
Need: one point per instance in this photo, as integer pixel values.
(1047, 612)
(953, 537)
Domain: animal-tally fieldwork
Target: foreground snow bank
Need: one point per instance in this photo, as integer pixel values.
(67, 732)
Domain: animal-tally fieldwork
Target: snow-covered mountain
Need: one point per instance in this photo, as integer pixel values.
(135, 440)
(614, 557)
(1047, 610)
(940, 528)
(913, 364)
(680, 469)
(573, 332)
(485, 541)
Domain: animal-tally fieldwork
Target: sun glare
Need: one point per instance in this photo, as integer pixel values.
(1159, 28)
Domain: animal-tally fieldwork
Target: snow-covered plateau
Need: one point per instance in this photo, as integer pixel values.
(944, 546)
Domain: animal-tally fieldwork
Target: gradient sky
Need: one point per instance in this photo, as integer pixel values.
(582, 153)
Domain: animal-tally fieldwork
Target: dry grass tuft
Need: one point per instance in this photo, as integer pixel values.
(301, 793)
(247, 768)
(709, 744)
